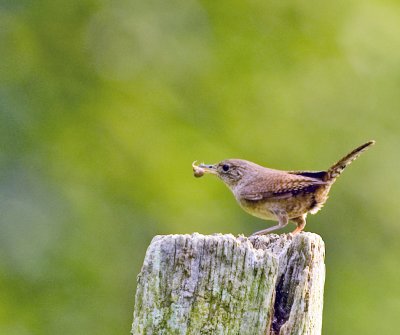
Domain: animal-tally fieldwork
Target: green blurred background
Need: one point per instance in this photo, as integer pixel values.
(105, 104)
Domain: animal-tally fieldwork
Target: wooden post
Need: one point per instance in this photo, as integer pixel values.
(219, 284)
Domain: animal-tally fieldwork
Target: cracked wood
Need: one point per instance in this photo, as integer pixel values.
(219, 284)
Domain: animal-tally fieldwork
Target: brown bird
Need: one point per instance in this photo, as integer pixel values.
(278, 195)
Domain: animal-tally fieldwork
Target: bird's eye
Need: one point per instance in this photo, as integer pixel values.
(225, 167)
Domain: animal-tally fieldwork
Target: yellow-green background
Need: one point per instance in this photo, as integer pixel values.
(105, 104)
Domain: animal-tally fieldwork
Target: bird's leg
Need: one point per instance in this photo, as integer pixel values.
(300, 222)
(283, 220)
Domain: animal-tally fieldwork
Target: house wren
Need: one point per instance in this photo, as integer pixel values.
(278, 195)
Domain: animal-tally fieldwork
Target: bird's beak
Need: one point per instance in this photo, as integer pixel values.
(208, 168)
(200, 170)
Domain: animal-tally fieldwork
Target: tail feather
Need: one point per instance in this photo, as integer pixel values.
(338, 168)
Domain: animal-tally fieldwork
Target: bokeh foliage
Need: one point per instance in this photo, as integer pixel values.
(105, 104)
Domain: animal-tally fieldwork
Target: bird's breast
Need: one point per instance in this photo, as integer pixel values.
(260, 209)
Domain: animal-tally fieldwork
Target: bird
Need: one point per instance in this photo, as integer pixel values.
(278, 195)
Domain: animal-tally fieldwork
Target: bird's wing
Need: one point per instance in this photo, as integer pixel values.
(265, 195)
(312, 174)
(280, 187)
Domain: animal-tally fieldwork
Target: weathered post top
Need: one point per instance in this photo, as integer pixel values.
(221, 284)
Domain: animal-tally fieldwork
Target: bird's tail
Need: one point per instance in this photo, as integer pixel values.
(338, 168)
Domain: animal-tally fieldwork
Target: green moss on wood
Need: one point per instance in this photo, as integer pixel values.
(196, 284)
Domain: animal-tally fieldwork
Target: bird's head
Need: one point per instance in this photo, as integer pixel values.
(231, 171)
